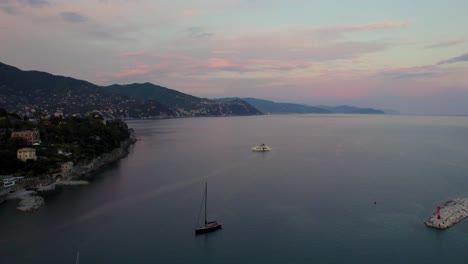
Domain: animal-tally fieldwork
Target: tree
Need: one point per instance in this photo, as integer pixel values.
(3, 112)
(13, 144)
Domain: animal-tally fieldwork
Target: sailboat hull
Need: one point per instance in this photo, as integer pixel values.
(209, 227)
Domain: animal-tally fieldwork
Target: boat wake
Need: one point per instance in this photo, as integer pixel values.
(139, 198)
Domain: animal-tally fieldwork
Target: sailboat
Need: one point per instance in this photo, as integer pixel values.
(261, 148)
(209, 226)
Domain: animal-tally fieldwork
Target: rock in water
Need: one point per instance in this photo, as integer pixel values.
(30, 203)
(451, 213)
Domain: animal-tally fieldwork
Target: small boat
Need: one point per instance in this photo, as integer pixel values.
(261, 148)
(209, 226)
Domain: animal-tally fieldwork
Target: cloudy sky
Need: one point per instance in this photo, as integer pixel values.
(406, 55)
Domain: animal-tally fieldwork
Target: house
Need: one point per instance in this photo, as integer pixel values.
(65, 170)
(66, 167)
(64, 153)
(29, 137)
(25, 154)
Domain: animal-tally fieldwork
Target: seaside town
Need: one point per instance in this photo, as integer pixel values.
(39, 153)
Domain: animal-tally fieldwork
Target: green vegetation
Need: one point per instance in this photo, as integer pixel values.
(84, 138)
(183, 104)
(62, 140)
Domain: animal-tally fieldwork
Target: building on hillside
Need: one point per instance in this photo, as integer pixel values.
(25, 154)
(64, 153)
(29, 137)
(66, 167)
(11, 181)
(58, 113)
(65, 171)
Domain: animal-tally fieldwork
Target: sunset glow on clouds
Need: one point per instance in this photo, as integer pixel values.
(397, 55)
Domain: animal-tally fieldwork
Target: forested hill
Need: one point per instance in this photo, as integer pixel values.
(40, 91)
(183, 104)
(267, 106)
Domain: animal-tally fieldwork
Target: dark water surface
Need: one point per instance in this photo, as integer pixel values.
(310, 200)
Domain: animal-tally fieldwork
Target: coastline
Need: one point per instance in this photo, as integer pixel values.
(87, 170)
(30, 201)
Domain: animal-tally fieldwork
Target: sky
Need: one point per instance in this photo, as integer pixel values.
(410, 56)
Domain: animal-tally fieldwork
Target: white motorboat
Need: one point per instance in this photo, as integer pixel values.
(261, 148)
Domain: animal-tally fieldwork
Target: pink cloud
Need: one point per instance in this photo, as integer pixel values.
(253, 65)
(140, 69)
(298, 45)
(265, 51)
(224, 52)
(356, 27)
(217, 63)
(190, 13)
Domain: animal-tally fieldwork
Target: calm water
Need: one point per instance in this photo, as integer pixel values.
(310, 200)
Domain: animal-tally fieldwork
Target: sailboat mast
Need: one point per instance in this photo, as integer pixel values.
(206, 198)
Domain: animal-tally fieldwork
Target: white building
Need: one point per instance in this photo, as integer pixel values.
(11, 181)
(25, 154)
(66, 167)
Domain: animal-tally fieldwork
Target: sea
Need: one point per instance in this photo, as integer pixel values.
(334, 189)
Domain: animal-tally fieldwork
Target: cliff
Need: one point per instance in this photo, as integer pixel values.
(86, 170)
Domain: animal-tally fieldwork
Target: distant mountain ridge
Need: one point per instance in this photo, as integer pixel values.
(40, 91)
(36, 91)
(346, 109)
(183, 104)
(267, 106)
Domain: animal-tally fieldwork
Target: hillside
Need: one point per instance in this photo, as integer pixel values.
(283, 108)
(273, 107)
(83, 139)
(40, 91)
(346, 109)
(183, 104)
(35, 91)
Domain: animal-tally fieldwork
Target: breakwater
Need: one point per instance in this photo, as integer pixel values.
(449, 214)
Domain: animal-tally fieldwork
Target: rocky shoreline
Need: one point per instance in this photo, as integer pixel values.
(449, 214)
(31, 201)
(71, 183)
(86, 170)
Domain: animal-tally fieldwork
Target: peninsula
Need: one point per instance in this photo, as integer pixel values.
(39, 153)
